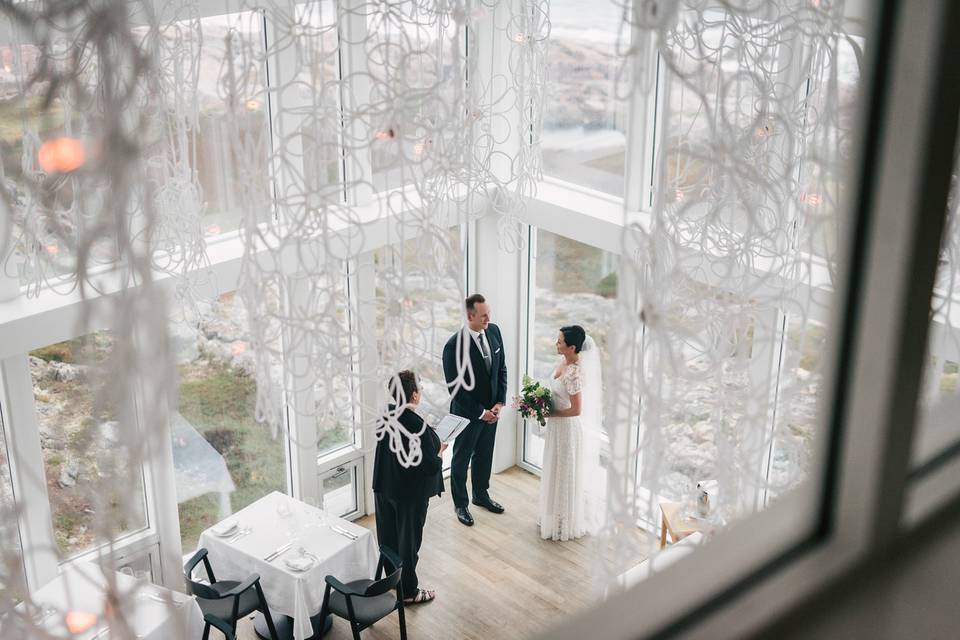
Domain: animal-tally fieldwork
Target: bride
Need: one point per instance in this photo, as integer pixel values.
(571, 455)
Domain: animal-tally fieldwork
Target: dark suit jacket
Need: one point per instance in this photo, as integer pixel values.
(409, 484)
(490, 387)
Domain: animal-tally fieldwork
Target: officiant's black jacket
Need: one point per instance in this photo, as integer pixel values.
(409, 484)
(490, 387)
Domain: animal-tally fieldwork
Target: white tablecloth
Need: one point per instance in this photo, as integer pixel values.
(146, 609)
(299, 595)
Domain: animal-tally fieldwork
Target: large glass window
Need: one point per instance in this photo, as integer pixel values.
(938, 430)
(413, 92)
(85, 442)
(425, 277)
(572, 283)
(224, 458)
(336, 394)
(317, 94)
(216, 137)
(800, 376)
(835, 91)
(584, 123)
(43, 207)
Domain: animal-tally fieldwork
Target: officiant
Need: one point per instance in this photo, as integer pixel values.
(401, 494)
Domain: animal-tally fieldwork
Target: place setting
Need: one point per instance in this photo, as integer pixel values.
(293, 546)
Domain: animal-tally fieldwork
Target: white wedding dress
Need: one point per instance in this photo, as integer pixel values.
(562, 504)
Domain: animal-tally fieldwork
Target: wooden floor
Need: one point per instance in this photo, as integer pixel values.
(497, 579)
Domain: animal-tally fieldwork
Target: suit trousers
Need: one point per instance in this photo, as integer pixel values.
(474, 448)
(400, 527)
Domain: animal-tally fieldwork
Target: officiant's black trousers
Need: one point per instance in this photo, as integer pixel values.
(474, 448)
(400, 527)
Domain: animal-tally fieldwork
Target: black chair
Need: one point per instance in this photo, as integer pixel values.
(223, 626)
(227, 600)
(364, 602)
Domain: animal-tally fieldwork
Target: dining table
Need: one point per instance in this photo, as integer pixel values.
(293, 547)
(88, 602)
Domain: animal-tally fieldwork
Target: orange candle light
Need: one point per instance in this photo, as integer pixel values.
(61, 155)
(80, 621)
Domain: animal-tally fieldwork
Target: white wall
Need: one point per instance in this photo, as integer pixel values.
(498, 276)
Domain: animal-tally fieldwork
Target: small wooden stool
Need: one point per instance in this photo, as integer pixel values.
(673, 521)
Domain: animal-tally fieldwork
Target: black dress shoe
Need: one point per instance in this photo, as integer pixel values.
(463, 515)
(488, 504)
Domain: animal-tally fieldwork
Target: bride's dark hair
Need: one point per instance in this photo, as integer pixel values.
(574, 336)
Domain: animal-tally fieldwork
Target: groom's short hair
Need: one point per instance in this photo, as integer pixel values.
(473, 301)
(402, 386)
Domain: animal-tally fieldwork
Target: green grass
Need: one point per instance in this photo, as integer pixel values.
(219, 401)
(576, 267)
(11, 122)
(60, 352)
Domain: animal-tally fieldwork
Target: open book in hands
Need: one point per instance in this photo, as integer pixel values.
(451, 426)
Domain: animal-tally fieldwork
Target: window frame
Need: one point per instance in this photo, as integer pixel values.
(354, 467)
(749, 574)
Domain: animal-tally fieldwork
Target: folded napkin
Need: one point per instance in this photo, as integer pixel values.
(225, 528)
(299, 563)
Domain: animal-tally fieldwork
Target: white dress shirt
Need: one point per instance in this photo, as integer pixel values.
(479, 337)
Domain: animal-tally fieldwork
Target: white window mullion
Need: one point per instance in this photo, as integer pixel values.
(354, 99)
(641, 121)
(526, 302)
(371, 396)
(27, 470)
(160, 484)
(763, 369)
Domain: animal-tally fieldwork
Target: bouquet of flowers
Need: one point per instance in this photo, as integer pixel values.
(534, 401)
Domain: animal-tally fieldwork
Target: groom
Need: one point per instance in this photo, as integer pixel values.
(478, 343)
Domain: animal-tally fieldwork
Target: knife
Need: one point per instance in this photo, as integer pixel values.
(343, 532)
(282, 549)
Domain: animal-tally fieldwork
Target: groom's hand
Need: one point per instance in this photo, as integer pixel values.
(496, 409)
(489, 416)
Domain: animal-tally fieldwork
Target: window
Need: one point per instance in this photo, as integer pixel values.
(224, 458)
(42, 207)
(414, 93)
(571, 283)
(336, 395)
(320, 127)
(95, 492)
(836, 89)
(339, 490)
(426, 274)
(584, 123)
(937, 436)
(221, 149)
(795, 426)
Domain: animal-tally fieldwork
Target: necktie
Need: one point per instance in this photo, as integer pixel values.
(485, 349)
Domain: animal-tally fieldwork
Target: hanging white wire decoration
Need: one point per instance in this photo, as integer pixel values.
(424, 116)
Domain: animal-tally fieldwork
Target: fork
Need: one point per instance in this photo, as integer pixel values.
(239, 534)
